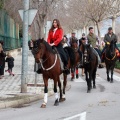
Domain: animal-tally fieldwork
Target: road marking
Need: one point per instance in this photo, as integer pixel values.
(81, 116)
(115, 77)
(80, 79)
(99, 79)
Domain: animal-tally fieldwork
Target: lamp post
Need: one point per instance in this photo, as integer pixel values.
(27, 16)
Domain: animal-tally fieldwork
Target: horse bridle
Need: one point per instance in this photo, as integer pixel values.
(41, 60)
(111, 58)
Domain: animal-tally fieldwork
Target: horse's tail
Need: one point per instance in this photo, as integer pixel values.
(71, 54)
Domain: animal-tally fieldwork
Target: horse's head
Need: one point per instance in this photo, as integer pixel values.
(86, 50)
(74, 45)
(111, 48)
(37, 50)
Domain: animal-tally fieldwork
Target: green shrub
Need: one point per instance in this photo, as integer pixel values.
(117, 65)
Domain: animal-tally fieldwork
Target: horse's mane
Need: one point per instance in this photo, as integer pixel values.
(48, 47)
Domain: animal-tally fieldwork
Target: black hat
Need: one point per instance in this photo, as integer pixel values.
(110, 28)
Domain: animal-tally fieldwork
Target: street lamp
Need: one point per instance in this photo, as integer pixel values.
(27, 16)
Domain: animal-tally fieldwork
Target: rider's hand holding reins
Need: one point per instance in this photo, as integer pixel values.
(52, 44)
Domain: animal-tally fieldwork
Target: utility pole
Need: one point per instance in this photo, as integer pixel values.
(24, 70)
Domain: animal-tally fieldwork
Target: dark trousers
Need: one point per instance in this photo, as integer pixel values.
(62, 53)
(2, 70)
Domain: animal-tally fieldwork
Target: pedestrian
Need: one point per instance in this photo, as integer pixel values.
(2, 61)
(10, 61)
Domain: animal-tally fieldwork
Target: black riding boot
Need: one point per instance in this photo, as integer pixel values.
(39, 71)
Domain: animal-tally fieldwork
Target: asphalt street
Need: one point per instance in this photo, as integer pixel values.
(103, 103)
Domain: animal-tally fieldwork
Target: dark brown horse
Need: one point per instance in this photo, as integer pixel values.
(51, 68)
(90, 63)
(110, 59)
(75, 47)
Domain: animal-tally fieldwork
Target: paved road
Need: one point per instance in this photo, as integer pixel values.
(102, 103)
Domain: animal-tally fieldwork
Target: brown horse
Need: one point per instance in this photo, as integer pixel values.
(90, 63)
(110, 59)
(78, 58)
(51, 68)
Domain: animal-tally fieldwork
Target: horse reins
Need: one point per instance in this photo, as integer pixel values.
(49, 67)
(110, 59)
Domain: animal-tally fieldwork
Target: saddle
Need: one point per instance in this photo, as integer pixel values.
(61, 63)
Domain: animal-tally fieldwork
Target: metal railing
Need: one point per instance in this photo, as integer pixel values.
(10, 43)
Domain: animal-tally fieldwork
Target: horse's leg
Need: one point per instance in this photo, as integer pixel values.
(111, 75)
(60, 89)
(55, 91)
(64, 86)
(45, 93)
(72, 74)
(94, 77)
(108, 78)
(77, 73)
(87, 80)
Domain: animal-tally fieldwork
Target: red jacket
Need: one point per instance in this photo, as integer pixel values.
(56, 39)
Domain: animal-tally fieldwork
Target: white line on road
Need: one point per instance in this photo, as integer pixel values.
(98, 79)
(82, 116)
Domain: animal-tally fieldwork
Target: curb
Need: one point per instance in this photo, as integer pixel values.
(20, 102)
(28, 100)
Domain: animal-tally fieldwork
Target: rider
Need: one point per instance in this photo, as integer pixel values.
(64, 41)
(92, 39)
(72, 39)
(54, 39)
(109, 37)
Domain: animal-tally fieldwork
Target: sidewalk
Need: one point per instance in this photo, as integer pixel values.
(10, 86)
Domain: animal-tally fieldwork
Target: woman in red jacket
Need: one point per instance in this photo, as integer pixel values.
(54, 39)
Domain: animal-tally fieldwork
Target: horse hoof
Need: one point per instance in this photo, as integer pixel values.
(72, 79)
(43, 106)
(62, 99)
(111, 81)
(94, 87)
(56, 103)
(88, 91)
(108, 80)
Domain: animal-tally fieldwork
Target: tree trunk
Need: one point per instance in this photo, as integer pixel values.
(113, 23)
(98, 29)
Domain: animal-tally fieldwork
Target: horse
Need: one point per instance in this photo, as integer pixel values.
(110, 59)
(51, 68)
(75, 47)
(90, 63)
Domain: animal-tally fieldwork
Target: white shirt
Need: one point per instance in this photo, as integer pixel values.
(54, 31)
